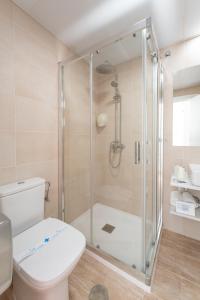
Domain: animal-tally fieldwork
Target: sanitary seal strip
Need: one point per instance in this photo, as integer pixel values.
(45, 241)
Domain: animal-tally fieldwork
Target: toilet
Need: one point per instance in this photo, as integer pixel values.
(45, 251)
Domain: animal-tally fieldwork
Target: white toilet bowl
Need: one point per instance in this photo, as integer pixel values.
(44, 256)
(44, 251)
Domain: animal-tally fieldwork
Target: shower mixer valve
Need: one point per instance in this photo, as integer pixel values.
(116, 146)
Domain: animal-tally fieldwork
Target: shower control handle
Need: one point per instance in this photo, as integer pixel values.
(137, 152)
(136, 162)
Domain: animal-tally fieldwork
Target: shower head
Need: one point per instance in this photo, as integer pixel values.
(105, 68)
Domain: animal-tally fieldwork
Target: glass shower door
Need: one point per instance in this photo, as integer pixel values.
(112, 150)
(154, 148)
(76, 145)
(118, 150)
(160, 148)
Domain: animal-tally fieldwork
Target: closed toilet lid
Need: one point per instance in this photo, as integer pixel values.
(46, 251)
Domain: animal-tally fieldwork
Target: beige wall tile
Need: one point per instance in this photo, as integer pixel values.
(7, 149)
(6, 8)
(35, 147)
(78, 154)
(6, 22)
(28, 100)
(63, 53)
(77, 140)
(175, 61)
(192, 52)
(45, 169)
(6, 70)
(49, 171)
(26, 22)
(34, 115)
(119, 188)
(27, 46)
(32, 82)
(7, 175)
(7, 113)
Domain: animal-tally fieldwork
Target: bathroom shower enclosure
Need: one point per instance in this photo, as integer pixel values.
(111, 171)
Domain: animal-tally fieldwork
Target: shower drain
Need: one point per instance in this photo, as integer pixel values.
(133, 266)
(108, 228)
(98, 292)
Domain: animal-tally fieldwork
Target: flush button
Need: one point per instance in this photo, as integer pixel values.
(20, 182)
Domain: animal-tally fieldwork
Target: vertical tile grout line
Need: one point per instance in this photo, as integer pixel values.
(14, 90)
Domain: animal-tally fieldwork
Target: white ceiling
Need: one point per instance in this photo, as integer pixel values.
(187, 78)
(82, 24)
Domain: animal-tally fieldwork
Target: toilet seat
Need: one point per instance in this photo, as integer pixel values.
(47, 252)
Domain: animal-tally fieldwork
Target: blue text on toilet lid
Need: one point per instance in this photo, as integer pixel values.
(44, 242)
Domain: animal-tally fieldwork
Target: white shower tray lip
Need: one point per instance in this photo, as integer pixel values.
(125, 241)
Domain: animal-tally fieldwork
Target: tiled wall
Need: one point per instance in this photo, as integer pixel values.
(28, 100)
(184, 55)
(76, 140)
(121, 187)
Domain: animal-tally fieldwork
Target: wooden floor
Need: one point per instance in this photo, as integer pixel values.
(177, 275)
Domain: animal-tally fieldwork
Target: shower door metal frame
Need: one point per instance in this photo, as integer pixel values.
(91, 150)
(150, 41)
(61, 125)
(160, 139)
(140, 26)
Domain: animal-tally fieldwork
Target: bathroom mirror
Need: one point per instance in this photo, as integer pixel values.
(186, 107)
